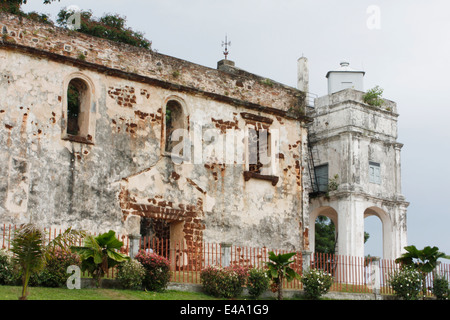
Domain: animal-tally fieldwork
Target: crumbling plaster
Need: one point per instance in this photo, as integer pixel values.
(122, 174)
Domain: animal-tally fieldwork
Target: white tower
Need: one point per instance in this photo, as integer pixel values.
(355, 165)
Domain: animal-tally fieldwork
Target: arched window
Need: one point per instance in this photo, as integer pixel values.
(77, 109)
(174, 120)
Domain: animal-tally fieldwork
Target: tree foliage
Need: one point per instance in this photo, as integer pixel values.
(31, 251)
(110, 26)
(14, 7)
(325, 241)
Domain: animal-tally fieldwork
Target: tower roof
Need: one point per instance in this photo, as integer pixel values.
(344, 67)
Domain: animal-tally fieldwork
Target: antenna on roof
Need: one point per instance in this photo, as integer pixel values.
(225, 44)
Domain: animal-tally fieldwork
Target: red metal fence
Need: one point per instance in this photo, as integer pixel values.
(187, 259)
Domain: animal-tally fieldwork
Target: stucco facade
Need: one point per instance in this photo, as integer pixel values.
(115, 172)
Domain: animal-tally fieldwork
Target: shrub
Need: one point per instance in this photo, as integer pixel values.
(110, 26)
(131, 274)
(373, 97)
(8, 274)
(223, 282)
(55, 272)
(440, 288)
(157, 271)
(257, 282)
(406, 283)
(316, 282)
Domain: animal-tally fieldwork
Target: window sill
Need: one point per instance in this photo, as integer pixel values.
(79, 139)
(248, 175)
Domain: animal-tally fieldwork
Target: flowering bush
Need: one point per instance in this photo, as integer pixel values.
(8, 275)
(316, 282)
(55, 272)
(131, 274)
(157, 271)
(223, 282)
(406, 283)
(440, 288)
(257, 282)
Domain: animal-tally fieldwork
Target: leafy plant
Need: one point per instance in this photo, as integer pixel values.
(8, 274)
(440, 288)
(157, 270)
(131, 274)
(99, 254)
(333, 184)
(373, 97)
(424, 261)
(279, 270)
(55, 272)
(31, 252)
(406, 283)
(257, 282)
(316, 282)
(223, 282)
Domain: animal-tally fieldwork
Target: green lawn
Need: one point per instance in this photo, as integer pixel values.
(40, 293)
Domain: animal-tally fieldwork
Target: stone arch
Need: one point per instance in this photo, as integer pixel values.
(387, 229)
(326, 211)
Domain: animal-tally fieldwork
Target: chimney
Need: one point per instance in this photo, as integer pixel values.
(225, 65)
(302, 74)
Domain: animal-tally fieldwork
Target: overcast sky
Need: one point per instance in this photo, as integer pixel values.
(406, 52)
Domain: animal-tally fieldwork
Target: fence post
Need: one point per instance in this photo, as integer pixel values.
(306, 261)
(225, 251)
(374, 279)
(134, 244)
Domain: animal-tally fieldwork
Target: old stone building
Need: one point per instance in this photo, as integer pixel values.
(98, 135)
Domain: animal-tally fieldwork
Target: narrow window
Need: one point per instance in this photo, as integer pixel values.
(174, 120)
(78, 102)
(259, 152)
(321, 176)
(73, 108)
(374, 172)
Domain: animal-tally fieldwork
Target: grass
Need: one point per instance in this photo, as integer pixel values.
(41, 293)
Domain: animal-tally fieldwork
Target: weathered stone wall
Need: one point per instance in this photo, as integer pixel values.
(245, 87)
(120, 173)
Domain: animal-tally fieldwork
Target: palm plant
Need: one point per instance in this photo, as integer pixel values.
(279, 270)
(424, 261)
(31, 251)
(99, 254)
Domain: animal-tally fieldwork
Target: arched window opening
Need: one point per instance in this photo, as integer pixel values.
(174, 120)
(78, 102)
